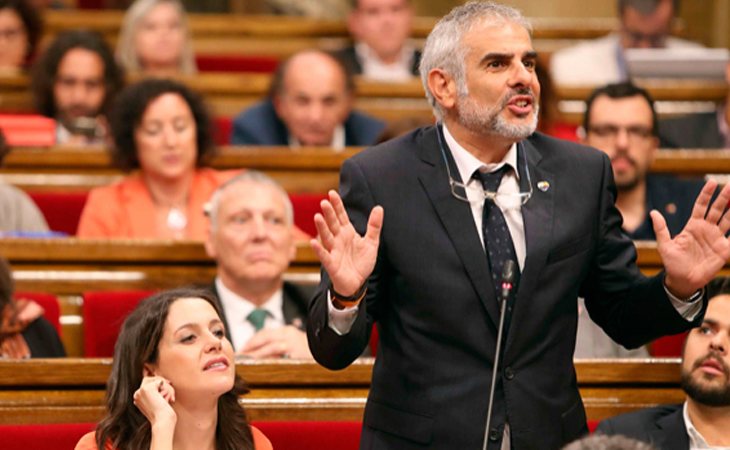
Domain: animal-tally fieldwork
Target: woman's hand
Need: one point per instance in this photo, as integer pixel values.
(154, 399)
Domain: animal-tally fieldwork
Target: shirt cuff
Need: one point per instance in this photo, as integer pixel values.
(687, 308)
(340, 320)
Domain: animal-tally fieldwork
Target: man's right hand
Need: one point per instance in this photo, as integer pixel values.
(348, 258)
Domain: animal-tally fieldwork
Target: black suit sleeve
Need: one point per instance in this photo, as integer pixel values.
(42, 340)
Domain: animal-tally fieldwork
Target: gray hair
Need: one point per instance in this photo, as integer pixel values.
(444, 49)
(247, 176)
(126, 52)
(600, 441)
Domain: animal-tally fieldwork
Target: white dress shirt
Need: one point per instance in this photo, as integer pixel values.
(374, 68)
(238, 308)
(696, 440)
(338, 139)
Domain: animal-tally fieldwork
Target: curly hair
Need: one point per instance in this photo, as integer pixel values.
(45, 69)
(124, 425)
(31, 21)
(129, 108)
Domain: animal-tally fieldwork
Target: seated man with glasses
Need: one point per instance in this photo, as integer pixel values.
(620, 120)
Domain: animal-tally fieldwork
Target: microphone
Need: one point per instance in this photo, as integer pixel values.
(509, 269)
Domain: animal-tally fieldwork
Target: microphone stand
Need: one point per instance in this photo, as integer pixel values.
(508, 275)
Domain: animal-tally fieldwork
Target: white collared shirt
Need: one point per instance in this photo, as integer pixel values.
(238, 308)
(338, 139)
(696, 441)
(374, 68)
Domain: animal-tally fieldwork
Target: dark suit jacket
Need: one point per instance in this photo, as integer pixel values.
(662, 426)
(674, 198)
(692, 131)
(432, 298)
(294, 308)
(349, 57)
(259, 125)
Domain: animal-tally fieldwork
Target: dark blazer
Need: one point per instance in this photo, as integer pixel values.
(692, 131)
(349, 58)
(43, 340)
(434, 303)
(662, 426)
(674, 198)
(296, 298)
(259, 125)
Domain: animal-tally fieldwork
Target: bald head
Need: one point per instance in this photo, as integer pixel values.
(312, 95)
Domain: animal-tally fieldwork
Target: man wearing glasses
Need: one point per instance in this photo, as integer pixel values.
(427, 225)
(644, 24)
(620, 120)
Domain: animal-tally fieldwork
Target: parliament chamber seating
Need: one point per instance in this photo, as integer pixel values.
(103, 313)
(49, 303)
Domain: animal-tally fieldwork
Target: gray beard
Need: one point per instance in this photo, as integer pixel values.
(477, 119)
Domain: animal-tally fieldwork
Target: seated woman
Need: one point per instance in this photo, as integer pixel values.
(155, 39)
(161, 128)
(24, 333)
(173, 382)
(20, 26)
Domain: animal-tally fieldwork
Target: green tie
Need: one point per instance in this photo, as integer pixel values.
(257, 318)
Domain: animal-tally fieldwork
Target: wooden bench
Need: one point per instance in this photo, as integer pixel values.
(71, 390)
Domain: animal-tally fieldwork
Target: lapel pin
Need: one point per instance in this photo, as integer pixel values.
(543, 185)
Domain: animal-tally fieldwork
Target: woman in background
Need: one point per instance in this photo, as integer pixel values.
(24, 332)
(20, 29)
(173, 383)
(155, 39)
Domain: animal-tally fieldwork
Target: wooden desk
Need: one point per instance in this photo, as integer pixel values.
(72, 390)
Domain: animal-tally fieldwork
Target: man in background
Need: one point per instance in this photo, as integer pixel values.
(252, 240)
(74, 82)
(310, 104)
(381, 29)
(644, 24)
(703, 420)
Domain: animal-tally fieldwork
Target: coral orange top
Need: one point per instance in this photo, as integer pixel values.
(88, 441)
(125, 209)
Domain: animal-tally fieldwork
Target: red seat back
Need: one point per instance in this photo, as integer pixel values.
(62, 210)
(237, 63)
(311, 435)
(306, 205)
(103, 314)
(668, 346)
(49, 302)
(61, 436)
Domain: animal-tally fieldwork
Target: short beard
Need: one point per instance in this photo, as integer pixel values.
(708, 396)
(477, 119)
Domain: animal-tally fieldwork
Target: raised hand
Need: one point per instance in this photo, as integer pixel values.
(698, 253)
(348, 258)
(154, 399)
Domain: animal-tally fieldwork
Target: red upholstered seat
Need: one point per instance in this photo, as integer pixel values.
(49, 302)
(62, 210)
(61, 436)
(306, 205)
(668, 346)
(222, 128)
(294, 435)
(104, 313)
(237, 63)
(592, 424)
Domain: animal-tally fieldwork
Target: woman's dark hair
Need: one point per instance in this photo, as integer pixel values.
(45, 69)
(31, 21)
(131, 105)
(125, 427)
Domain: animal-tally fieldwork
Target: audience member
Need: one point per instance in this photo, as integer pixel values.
(603, 442)
(161, 128)
(24, 332)
(173, 382)
(20, 29)
(18, 213)
(704, 130)
(620, 120)
(310, 103)
(381, 29)
(155, 39)
(74, 82)
(252, 240)
(703, 420)
(644, 24)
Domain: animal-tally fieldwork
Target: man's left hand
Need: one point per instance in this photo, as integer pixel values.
(697, 254)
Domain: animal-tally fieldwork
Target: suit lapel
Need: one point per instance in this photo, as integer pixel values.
(457, 219)
(537, 215)
(670, 432)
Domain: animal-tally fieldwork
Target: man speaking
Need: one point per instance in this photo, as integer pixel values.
(430, 219)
